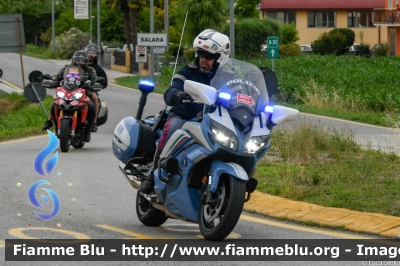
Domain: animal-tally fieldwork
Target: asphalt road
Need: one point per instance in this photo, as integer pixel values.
(97, 202)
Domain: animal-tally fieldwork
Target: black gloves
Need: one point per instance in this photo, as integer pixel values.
(182, 96)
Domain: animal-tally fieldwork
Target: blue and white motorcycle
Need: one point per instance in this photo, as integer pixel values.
(205, 171)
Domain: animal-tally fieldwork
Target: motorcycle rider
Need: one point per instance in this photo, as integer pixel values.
(212, 51)
(80, 59)
(93, 53)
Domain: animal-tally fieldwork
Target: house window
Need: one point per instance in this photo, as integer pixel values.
(354, 19)
(321, 19)
(282, 17)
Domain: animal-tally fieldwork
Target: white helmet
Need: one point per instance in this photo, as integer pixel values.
(213, 42)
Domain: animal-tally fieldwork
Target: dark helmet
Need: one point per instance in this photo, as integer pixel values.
(78, 56)
(93, 47)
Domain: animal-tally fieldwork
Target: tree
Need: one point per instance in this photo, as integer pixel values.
(123, 6)
(289, 33)
(67, 21)
(250, 34)
(112, 24)
(144, 20)
(134, 7)
(201, 15)
(130, 10)
(246, 9)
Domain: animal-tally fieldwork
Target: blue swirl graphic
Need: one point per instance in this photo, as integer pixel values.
(44, 153)
(36, 203)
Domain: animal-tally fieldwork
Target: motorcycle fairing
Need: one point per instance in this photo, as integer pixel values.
(221, 116)
(73, 77)
(196, 132)
(175, 142)
(177, 192)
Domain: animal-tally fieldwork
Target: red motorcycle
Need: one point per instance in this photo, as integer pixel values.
(71, 107)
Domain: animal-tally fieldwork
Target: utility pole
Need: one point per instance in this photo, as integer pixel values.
(98, 31)
(90, 8)
(166, 22)
(53, 30)
(151, 47)
(232, 29)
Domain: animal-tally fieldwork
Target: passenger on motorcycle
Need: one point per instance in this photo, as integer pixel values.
(79, 59)
(93, 53)
(212, 51)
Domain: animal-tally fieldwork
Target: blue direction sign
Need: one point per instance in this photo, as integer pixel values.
(272, 47)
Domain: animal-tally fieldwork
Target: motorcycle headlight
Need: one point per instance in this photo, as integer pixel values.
(77, 96)
(254, 144)
(225, 136)
(61, 94)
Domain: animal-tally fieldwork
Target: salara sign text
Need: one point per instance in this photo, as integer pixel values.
(152, 39)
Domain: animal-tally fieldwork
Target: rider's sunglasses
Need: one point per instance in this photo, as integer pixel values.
(208, 57)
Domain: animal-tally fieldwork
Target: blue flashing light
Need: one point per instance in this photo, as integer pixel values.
(224, 95)
(146, 86)
(269, 109)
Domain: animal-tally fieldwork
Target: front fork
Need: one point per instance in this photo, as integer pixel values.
(74, 121)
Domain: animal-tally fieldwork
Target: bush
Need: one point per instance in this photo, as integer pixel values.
(291, 49)
(348, 34)
(71, 41)
(250, 34)
(173, 50)
(330, 43)
(190, 54)
(364, 50)
(382, 50)
(289, 33)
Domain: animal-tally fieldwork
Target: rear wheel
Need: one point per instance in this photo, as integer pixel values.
(218, 218)
(147, 214)
(65, 136)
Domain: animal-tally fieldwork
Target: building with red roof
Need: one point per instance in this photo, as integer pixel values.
(378, 20)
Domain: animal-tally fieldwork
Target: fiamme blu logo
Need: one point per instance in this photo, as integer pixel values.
(44, 169)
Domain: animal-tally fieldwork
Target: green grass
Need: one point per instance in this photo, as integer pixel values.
(162, 82)
(366, 117)
(326, 167)
(40, 52)
(19, 118)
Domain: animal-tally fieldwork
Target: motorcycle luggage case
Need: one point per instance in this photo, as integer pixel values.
(132, 138)
(103, 114)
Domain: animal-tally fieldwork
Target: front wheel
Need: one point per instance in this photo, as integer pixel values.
(65, 137)
(147, 214)
(219, 217)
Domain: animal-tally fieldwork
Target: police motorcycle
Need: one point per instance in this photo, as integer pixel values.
(205, 171)
(71, 106)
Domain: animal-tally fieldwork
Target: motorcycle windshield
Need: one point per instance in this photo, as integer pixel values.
(72, 77)
(245, 84)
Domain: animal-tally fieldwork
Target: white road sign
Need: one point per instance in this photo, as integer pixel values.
(141, 52)
(81, 9)
(152, 39)
(158, 50)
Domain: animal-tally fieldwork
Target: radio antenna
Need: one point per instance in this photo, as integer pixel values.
(179, 48)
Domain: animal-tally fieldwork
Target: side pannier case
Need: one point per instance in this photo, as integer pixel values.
(132, 138)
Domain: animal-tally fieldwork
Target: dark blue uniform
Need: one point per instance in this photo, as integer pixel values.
(188, 72)
(181, 112)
